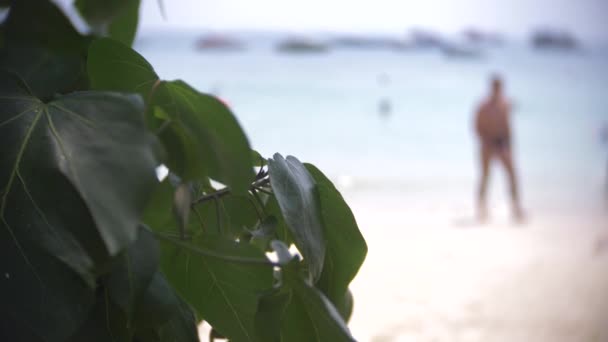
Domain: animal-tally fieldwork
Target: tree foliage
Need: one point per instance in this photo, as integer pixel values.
(93, 247)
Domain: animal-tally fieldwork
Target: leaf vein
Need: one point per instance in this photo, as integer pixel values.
(228, 302)
(8, 187)
(82, 118)
(16, 116)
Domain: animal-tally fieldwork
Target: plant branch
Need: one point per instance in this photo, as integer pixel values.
(226, 191)
(259, 201)
(200, 218)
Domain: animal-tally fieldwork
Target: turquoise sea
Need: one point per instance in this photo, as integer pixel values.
(323, 108)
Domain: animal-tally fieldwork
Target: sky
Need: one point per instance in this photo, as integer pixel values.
(585, 18)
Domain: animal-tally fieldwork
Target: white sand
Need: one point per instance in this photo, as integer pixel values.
(432, 274)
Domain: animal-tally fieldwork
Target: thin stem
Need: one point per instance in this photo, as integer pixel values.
(200, 218)
(163, 126)
(218, 214)
(211, 254)
(212, 196)
(258, 212)
(267, 192)
(259, 200)
(226, 191)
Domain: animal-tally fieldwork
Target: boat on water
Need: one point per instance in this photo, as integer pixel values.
(217, 42)
(424, 39)
(370, 43)
(302, 45)
(485, 38)
(554, 40)
(454, 50)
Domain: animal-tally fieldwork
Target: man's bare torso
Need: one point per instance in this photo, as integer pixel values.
(492, 121)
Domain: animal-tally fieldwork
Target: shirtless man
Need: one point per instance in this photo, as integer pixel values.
(492, 125)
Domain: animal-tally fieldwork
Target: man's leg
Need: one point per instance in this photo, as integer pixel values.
(506, 158)
(485, 155)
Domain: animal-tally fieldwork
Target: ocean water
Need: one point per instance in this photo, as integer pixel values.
(324, 109)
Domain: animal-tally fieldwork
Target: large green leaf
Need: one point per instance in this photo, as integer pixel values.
(74, 176)
(201, 135)
(84, 164)
(346, 248)
(223, 292)
(42, 47)
(294, 190)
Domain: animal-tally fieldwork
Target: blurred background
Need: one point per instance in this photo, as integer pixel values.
(381, 96)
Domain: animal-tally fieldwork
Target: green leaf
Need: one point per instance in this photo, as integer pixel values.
(74, 177)
(240, 214)
(157, 305)
(294, 190)
(115, 18)
(223, 291)
(271, 308)
(116, 67)
(201, 135)
(346, 248)
(220, 139)
(273, 210)
(309, 317)
(92, 143)
(345, 306)
(41, 23)
(99, 13)
(46, 72)
(181, 327)
(131, 276)
(124, 27)
(105, 322)
(42, 47)
(257, 159)
(41, 296)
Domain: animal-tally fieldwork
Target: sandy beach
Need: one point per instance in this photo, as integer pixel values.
(432, 274)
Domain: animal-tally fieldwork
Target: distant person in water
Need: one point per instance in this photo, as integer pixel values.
(384, 104)
(493, 128)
